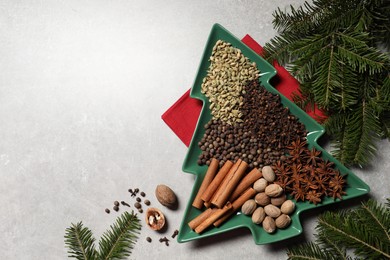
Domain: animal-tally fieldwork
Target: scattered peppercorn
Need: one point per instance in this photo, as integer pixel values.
(116, 203)
(149, 239)
(116, 208)
(125, 204)
(147, 202)
(137, 205)
(136, 190)
(143, 194)
(138, 199)
(107, 211)
(140, 210)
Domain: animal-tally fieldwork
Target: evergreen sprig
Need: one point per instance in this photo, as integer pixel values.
(365, 231)
(330, 46)
(80, 242)
(116, 243)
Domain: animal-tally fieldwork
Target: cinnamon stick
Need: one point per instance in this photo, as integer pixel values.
(246, 182)
(213, 217)
(224, 181)
(230, 184)
(209, 176)
(236, 205)
(216, 182)
(202, 217)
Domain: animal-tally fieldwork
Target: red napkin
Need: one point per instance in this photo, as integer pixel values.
(183, 115)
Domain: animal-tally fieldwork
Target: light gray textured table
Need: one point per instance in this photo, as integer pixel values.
(83, 85)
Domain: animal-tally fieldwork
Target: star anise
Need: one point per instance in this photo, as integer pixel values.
(312, 156)
(281, 169)
(297, 147)
(283, 181)
(313, 196)
(298, 192)
(296, 176)
(325, 167)
(336, 186)
(322, 182)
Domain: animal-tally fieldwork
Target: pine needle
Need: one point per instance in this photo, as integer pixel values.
(330, 46)
(364, 230)
(118, 242)
(80, 242)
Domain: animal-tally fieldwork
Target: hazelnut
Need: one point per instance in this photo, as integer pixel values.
(288, 207)
(155, 219)
(269, 224)
(262, 199)
(283, 221)
(272, 211)
(278, 201)
(268, 173)
(166, 196)
(258, 215)
(248, 207)
(260, 185)
(273, 190)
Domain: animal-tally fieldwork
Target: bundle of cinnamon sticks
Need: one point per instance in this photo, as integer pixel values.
(222, 192)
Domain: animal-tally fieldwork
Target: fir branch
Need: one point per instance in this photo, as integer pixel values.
(378, 219)
(118, 242)
(80, 242)
(350, 231)
(329, 47)
(309, 251)
(366, 136)
(363, 230)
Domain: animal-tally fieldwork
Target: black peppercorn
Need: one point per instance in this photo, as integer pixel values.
(147, 202)
(138, 199)
(142, 194)
(149, 239)
(137, 205)
(116, 208)
(116, 203)
(107, 211)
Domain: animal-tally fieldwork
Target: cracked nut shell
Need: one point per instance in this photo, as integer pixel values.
(154, 219)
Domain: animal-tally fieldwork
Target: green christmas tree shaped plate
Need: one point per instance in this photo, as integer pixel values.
(355, 186)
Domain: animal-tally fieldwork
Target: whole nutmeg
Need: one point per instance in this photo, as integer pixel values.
(262, 199)
(155, 219)
(248, 207)
(260, 185)
(269, 224)
(273, 190)
(272, 211)
(278, 201)
(288, 207)
(166, 196)
(258, 215)
(283, 221)
(268, 173)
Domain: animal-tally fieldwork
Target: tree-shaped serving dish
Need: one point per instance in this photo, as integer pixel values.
(355, 186)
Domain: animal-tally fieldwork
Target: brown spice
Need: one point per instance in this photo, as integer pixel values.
(307, 176)
(261, 139)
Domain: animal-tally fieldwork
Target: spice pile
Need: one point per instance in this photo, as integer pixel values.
(251, 130)
(263, 136)
(270, 206)
(307, 176)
